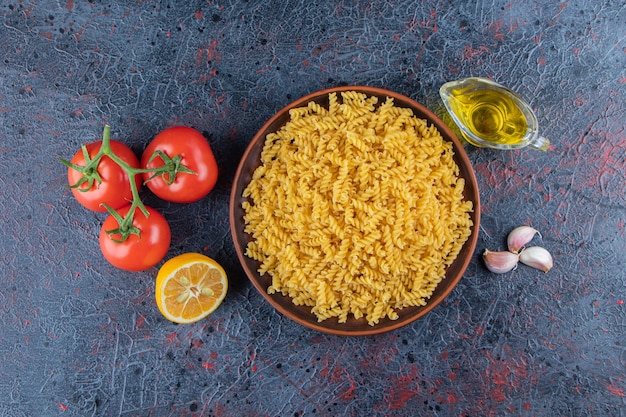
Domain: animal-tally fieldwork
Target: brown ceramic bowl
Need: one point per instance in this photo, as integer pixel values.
(302, 314)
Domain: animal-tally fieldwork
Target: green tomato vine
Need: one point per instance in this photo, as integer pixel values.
(90, 176)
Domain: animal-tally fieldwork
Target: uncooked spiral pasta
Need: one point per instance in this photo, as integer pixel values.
(356, 209)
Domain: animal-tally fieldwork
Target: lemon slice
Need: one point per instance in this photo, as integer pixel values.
(189, 287)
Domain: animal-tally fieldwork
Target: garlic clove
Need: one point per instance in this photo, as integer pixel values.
(537, 257)
(519, 237)
(500, 262)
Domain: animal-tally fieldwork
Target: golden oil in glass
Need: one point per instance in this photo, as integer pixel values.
(490, 115)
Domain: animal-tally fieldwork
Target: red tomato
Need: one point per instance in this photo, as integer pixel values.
(141, 252)
(114, 189)
(196, 155)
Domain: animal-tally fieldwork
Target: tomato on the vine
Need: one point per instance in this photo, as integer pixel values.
(113, 185)
(185, 148)
(141, 250)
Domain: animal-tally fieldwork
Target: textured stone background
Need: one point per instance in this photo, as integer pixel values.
(80, 338)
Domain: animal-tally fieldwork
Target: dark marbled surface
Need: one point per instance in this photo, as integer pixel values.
(81, 338)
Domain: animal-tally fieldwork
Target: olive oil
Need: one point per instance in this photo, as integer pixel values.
(490, 115)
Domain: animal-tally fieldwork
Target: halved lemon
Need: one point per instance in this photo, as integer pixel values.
(189, 287)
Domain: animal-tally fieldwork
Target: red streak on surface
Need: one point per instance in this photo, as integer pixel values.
(470, 52)
(452, 397)
(29, 11)
(484, 170)
(433, 15)
(318, 50)
(140, 321)
(211, 53)
(579, 101)
(505, 374)
(403, 389)
(338, 376)
(171, 337)
(497, 28)
(349, 393)
(69, 5)
(613, 389)
(199, 55)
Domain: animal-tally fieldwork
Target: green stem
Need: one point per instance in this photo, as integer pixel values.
(105, 149)
(170, 168)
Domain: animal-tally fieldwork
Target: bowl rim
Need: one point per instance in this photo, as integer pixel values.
(470, 179)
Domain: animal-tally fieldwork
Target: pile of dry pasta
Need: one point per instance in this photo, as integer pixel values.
(356, 209)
